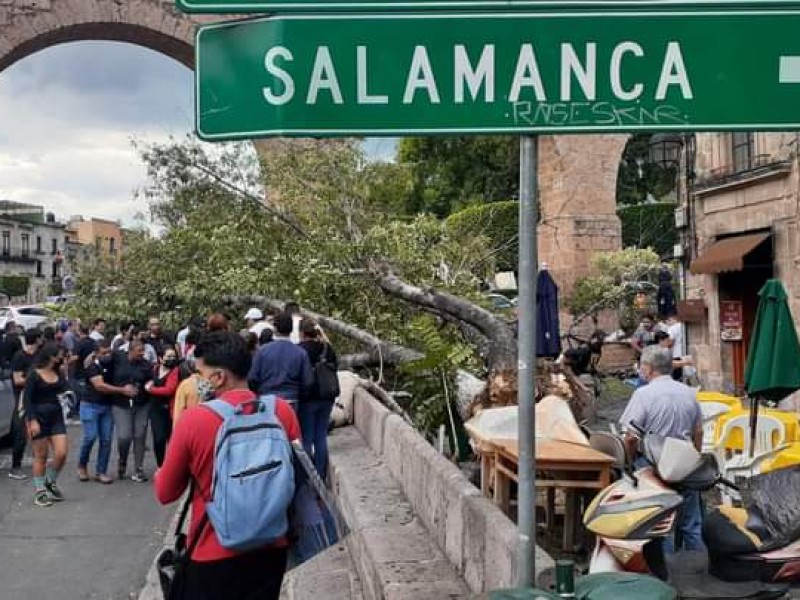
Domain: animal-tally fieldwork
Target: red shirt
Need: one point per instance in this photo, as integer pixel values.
(169, 388)
(190, 454)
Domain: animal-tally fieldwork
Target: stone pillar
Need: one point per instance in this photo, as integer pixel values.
(577, 195)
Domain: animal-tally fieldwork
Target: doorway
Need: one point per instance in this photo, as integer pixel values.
(743, 286)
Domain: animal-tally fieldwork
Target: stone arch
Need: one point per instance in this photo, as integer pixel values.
(578, 202)
(27, 26)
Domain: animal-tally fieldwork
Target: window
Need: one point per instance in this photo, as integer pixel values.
(112, 245)
(38, 244)
(98, 243)
(38, 268)
(26, 244)
(743, 147)
(34, 311)
(55, 269)
(55, 246)
(6, 243)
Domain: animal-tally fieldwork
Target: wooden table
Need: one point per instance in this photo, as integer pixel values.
(564, 465)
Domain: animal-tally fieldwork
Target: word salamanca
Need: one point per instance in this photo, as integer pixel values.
(476, 80)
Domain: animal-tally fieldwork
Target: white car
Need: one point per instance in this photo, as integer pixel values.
(27, 317)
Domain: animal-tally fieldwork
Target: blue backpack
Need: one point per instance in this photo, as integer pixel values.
(253, 482)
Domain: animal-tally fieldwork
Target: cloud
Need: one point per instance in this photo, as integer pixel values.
(67, 118)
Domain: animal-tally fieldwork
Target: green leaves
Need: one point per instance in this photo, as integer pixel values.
(620, 275)
(450, 173)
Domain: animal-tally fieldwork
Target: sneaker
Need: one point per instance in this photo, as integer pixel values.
(104, 479)
(42, 498)
(139, 477)
(54, 491)
(17, 474)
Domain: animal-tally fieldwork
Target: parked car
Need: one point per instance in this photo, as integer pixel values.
(500, 302)
(26, 317)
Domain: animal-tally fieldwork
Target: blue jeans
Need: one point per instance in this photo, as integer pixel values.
(690, 524)
(98, 422)
(314, 418)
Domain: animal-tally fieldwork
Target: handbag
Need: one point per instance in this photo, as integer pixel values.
(171, 563)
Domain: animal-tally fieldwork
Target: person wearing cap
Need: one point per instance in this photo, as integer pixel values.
(254, 321)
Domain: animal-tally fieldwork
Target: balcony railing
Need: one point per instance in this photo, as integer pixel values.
(16, 257)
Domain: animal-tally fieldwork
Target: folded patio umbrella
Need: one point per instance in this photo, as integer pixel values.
(548, 335)
(773, 360)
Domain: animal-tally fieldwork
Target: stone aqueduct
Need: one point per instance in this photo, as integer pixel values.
(577, 174)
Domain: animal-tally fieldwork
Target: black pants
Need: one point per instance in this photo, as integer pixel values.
(161, 426)
(19, 437)
(253, 576)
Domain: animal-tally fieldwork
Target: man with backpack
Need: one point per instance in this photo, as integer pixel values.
(237, 544)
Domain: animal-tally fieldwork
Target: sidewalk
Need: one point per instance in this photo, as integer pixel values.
(97, 544)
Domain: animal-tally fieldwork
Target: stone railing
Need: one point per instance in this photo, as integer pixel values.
(476, 537)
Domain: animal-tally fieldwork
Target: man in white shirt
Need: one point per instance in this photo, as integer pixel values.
(674, 328)
(98, 330)
(255, 323)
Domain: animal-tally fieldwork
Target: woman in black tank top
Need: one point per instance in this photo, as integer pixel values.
(45, 419)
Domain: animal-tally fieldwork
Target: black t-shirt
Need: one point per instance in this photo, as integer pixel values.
(315, 349)
(92, 395)
(39, 392)
(21, 363)
(83, 348)
(161, 343)
(124, 372)
(9, 346)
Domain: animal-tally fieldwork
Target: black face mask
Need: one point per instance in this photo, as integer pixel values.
(171, 362)
(106, 360)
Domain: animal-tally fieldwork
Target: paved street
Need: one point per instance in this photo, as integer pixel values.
(98, 543)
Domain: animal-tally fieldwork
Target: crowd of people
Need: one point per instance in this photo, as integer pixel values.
(137, 379)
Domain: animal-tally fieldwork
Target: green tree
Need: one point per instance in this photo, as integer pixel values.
(619, 276)
(638, 177)
(450, 173)
(302, 225)
(499, 222)
(650, 226)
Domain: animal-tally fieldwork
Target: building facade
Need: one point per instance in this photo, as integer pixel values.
(32, 246)
(106, 237)
(740, 227)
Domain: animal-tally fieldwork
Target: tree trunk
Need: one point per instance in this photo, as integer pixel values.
(378, 352)
(501, 345)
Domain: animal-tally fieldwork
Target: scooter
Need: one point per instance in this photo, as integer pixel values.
(633, 515)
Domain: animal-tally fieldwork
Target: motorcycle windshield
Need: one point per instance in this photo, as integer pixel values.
(771, 499)
(674, 459)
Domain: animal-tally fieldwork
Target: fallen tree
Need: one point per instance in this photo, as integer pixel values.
(405, 292)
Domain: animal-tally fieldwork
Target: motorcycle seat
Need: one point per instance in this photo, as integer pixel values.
(728, 531)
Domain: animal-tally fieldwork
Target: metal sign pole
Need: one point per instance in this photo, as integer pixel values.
(528, 273)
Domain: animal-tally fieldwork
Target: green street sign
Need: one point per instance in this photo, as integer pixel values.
(413, 74)
(270, 6)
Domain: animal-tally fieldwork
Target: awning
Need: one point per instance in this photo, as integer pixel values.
(727, 254)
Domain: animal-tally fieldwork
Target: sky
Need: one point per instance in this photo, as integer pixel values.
(69, 114)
